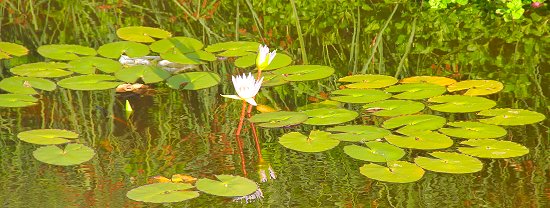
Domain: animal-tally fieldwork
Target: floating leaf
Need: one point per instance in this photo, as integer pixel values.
(177, 45)
(322, 104)
(396, 172)
(162, 193)
(416, 91)
(17, 100)
(491, 148)
(89, 65)
(375, 152)
(473, 130)
(278, 119)
(394, 107)
(442, 81)
(280, 60)
(195, 57)
(142, 34)
(227, 185)
(414, 123)
(368, 81)
(359, 95)
(317, 141)
(42, 69)
(149, 74)
(477, 87)
(449, 162)
(116, 49)
(329, 116)
(425, 140)
(26, 85)
(271, 79)
(193, 80)
(233, 48)
(65, 52)
(73, 154)
(356, 133)
(90, 82)
(304, 72)
(460, 103)
(7, 50)
(511, 117)
(47, 136)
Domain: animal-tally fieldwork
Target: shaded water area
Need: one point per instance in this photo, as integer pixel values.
(193, 132)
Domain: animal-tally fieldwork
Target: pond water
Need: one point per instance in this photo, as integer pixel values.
(192, 132)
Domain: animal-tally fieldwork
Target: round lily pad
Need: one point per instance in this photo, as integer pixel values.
(395, 172)
(394, 107)
(322, 104)
(460, 103)
(233, 48)
(477, 87)
(271, 79)
(414, 123)
(473, 130)
(177, 44)
(317, 141)
(42, 69)
(425, 140)
(278, 119)
(280, 60)
(416, 91)
(65, 52)
(195, 57)
(442, 81)
(17, 100)
(116, 49)
(8, 50)
(359, 95)
(163, 193)
(375, 152)
(90, 82)
(149, 74)
(90, 65)
(142, 34)
(491, 148)
(227, 185)
(368, 81)
(304, 72)
(329, 116)
(73, 154)
(510, 117)
(357, 133)
(47, 136)
(449, 162)
(193, 80)
(26, 85)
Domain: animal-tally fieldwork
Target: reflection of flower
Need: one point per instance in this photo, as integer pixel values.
(251, 197)
(263, 176)
(247, 87)
(264, 57)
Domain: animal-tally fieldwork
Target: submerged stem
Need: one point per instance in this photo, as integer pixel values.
(241, 121)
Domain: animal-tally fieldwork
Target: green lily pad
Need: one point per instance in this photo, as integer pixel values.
(416, 91)
(73, 154)
(368, 81)
(162, 193)
(317, 141)
(359, 95)
(304, 72)
(149, 74)
(177, 45)
(442, 81)
(322, 104)
(394, 107)
(278, 119)
(477, 87)
(227, 185)
(425, 140)
(116, 49)
(511, 117)
(491, 148)
(142, 34)
(26, 85)
(195, 57)
(271, 79)
(233, 48)
(414, 123)
(90, 65)
(460, 103)
(7, 50)
(17, 100)
(193, 80)
(473, 130)
(449, 162)
(395, 172)
(47, 136)
(280, 60)
(329, 116)
(90, 82)
(357, 133)
(42, 69)
(375, 152)
(65, 52)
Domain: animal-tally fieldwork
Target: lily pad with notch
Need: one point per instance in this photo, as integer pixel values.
(368, 81)
(90, 65)
(450, 162)
(129, 48)
(8, 50)
(414, 123)
(177, 45)
(195, 57)
(42, 69)
(424, 140)
(416, 91)
(142, 34)
(357, 133)
(491, 148)
(511, 117)
(149, 74)
(394, 107)
(395, 172)
(473, 130)
(90, 82)
(442, 81)
(317, 141)
(374, 152)
(65, 52)
(329, 116)
(278, 119)
(193, 80)
(280, 60)
(271, 79)
(163, 193)
(460, 103)
(233, 48)
(26, 85)
(297, 73)
(72, 154)
(47, 136)
(359, 95)
(322, 104)
(17, 100)
(227, 185)
(477, 87)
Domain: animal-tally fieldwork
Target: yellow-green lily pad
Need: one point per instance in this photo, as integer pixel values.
(317, 141)
(195, 57)
(91, 65)
(163, 193)
(449, 162)
(491, 148)
(271, 79)
(477, 87)
(460, 103)
(116, 49)
(193, 80)
(26, 85)
(177, 44)
(473, 130)
(329, 116)
(17, 100)
(368, 81)
(227, 185)
(280, 60)
(394, 107)
(375, 152)
(8, 50)
(47, 136)
(42, 69)
(304, 72)
(357, 133)
(395, 172)
(233, 48)
(73, 154)
(425, 140)
(278, 119)
(359, 95)
(414, 123)
(65, 52)
(142, 34)
(416, 91)
(149, 74)
(510, 117)
(90, 82)
(442, 81)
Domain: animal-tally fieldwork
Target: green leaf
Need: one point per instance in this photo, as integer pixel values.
(329, 116)
(359, 95)
(271, 79)
(89, 65)
(26, 85)
(177, 45)
(304, 72)
(416, 91)
(394, 107)
(511, 117)
(116, 49)
(195, 57)
(65, 52)
(491, 148)
(425, 140)
(90, 82)
(477, 87)
(357, 133)
(280, 60)
(149, 74)
(142, 34)
(227, 185)
(233, 48)
(17, 100)
(449, 162)
(73, 154)
(395, 172)
(322, 104)
(317, 141)
(11, 49)
(460, 103)
(47, 136)
(473, 130)
(193, 80)
(368, 81)
(42, 69)
(375, 152)
(278, 119)
(442, 81)
(162, 193)
(414, 123)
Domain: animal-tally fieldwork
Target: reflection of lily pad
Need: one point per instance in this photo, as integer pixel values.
(511, 117)
(356, 133)
(460, 103)
(491, 148)
(416, 91)
(193, 80)
(26, 85)
(47, 136)
(65, 52)
(280, 60)
(7, 50)
(42, 69)
(328, 116)
(233, 48)
(473, 130)
(73, 154)
(142, 34)
(359, 95)
(394, 107)
(17, 100)
(177, 44)
(162, 193)
(89, 65)
(149, 74)
(413, 123)
(195, 57)
(442, 81)
(271, 79)
(304, 72)
(368, 81)
(278, 119)
(477, 87)
(375, 152)
(90, 82)
(425, 140)
(396, 172)
(449, 162)
(227, 185)
(317, 141)
(116, 49)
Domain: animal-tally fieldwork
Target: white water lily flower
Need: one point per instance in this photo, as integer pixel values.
(264, 57)
(247, 87)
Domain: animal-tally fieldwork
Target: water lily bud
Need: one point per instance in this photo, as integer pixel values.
(264, 57)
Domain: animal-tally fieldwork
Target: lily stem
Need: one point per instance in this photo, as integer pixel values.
(241, 121)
